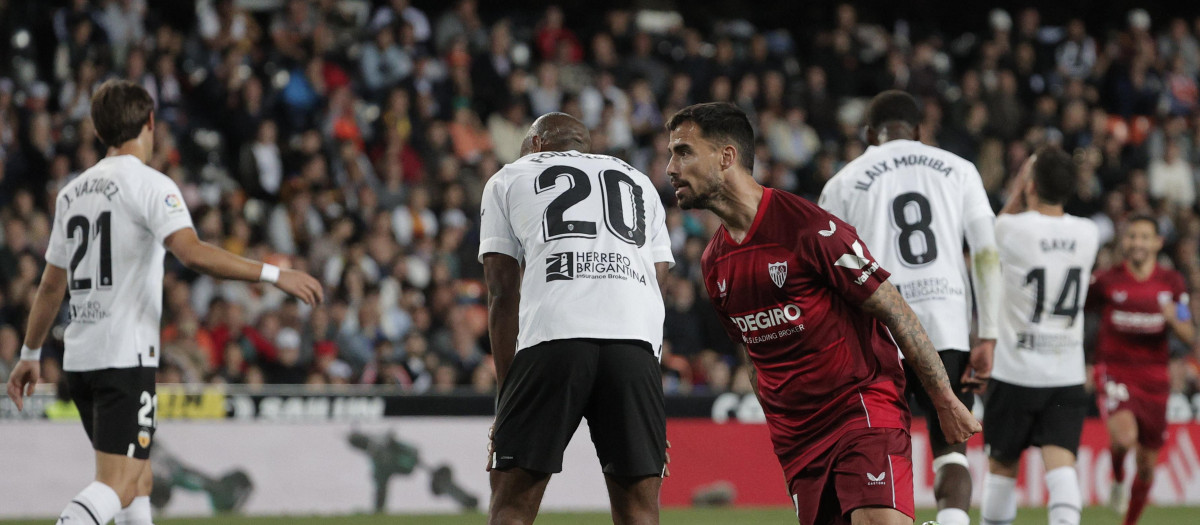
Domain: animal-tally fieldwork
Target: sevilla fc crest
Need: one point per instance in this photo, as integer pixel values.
(778, 272)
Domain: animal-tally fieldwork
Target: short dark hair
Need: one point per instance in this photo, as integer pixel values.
(1142, 217)
(723, 123)
(893, 105)
(1054, 176)
(119, 110)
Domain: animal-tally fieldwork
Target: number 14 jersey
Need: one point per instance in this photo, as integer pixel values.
(1046, 262)
(588, 230)
(108, 232)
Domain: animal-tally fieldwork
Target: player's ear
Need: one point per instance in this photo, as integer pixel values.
(729, 155)
(917, 133)
(150, 122)
(872, 136)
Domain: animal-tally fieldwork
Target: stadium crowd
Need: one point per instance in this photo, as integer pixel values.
(352, 140)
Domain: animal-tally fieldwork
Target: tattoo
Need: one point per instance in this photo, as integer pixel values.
(889, 307)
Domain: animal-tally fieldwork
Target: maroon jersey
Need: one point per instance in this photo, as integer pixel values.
(791, 291)
(1133, 333)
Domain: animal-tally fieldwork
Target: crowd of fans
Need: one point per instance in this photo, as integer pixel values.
(352, 140)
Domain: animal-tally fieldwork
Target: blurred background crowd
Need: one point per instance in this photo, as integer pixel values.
(352, 139)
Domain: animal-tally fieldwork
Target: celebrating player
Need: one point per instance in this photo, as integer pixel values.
(584, 321)
(106, 249)
(1036, 398)
(799, 288)
(914, 203)
(1139, 302)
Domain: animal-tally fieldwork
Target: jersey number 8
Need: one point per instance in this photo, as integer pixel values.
(612, 188)
(912, 214)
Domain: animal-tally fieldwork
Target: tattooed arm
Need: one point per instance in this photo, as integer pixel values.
(886, 305)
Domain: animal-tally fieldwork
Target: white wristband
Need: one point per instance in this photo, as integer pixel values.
(270, 273)
(30, 354)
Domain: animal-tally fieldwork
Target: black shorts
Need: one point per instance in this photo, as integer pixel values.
(616, 385)
(955, 362)
(118, 407)
(1017, 417)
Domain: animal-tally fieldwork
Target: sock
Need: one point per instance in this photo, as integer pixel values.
(96, 504)
(1137, 499)
(137, 513)
(1065, 500)
(999, 500)
(1118, 465)
(953, 516)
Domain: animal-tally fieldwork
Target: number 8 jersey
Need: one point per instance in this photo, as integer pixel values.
(588, 230)
(913, 204)
(108, 232)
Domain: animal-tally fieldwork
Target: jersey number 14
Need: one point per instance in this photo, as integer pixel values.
(81, 231)
(1067, 304)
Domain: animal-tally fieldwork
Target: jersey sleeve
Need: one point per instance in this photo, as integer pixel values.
(162, 208)
(843, 259)
(496, 234)
(660, 240)
(56, 250)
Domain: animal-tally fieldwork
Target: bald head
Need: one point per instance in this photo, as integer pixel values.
(556, 132)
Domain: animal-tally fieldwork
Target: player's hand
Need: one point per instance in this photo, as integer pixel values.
(301, 285)
(958, 424)
(491, 448)
(667, 464)
(24, 377)
(979, 367)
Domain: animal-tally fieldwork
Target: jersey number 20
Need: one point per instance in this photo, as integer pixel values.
(81, 231)
(615, 218)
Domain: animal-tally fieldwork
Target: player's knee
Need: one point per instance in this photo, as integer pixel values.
(1145, 471)
(879, 516)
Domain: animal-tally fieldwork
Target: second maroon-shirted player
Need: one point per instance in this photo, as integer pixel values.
(801, 291)
(1140, 302)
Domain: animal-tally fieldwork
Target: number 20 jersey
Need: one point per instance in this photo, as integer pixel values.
(108, 232)
(911, 203)
(1046, 263)
(588, 230)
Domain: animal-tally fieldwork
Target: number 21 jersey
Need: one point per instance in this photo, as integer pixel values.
(588, 230)
(108, 232)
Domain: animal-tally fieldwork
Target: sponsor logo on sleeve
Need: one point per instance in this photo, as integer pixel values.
(174, 203)
(857, 261)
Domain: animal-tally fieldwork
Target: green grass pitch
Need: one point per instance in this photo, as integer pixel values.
(1091, 516)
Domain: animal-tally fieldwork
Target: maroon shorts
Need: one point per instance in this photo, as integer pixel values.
(1120, 390)
(870, 467)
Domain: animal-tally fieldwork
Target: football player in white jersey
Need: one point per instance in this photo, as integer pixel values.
(914, 204)
(111, 225)
(574, 247)
(1036, 397)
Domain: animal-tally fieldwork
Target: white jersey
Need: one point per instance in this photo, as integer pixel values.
(109, 227)
(588, 230)
(912, 204)
(1047, 265)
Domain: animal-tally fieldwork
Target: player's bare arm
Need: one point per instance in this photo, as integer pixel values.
(661, 271)
(985, 273)
(886, 305)
(1015, 203)
(208, 259)
(49, 297)
(503, 276)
